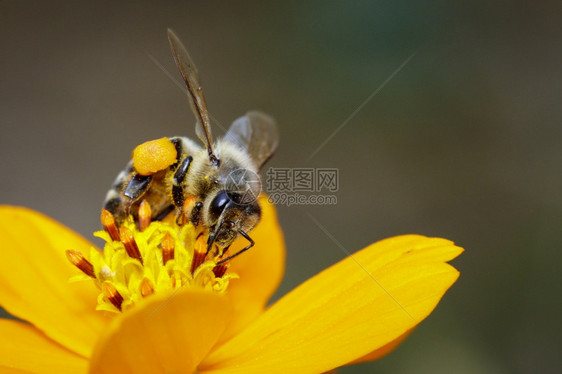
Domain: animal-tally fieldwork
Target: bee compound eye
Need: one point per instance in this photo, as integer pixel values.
(218, 204)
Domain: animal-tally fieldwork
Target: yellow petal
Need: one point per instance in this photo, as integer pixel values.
(34, 273)
(383, 351)
(163, 334)
(349, 310)
(30, 351)
(260, 269)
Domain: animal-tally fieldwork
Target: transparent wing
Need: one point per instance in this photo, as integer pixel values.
(257, 133)
(197, 100)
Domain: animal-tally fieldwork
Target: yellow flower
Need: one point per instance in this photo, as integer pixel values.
(354, 311)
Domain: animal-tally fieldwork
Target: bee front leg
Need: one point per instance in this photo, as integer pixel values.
(195, 215)
(190, 212)
(247, 237)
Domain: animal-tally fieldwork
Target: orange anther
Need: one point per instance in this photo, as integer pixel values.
(145, 215)
(168, 246)
(146, 287)
(219, 270)
(130, 244)
(108, 222)
(111, 293)
(199, 253)
(77, 259)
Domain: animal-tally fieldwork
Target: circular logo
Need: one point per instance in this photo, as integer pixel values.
(244, 184)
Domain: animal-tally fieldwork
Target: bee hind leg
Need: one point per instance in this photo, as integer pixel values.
(127, 188)
(124, 193)
(137, 186)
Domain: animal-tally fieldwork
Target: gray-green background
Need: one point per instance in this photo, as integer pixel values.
(464, 142)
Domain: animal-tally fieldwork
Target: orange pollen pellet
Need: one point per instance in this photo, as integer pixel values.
(219, 270)
(154, 155)
(200, 252)
(130, 244)
(111, 293)
(77, 259)
(168, 246)
(145, 215)
(108, 222)
(146, 287)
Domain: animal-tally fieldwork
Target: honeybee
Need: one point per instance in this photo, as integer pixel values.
(215, 185)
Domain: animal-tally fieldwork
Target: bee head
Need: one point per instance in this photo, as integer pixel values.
(228, 214)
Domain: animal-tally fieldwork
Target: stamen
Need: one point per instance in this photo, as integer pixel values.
(168, 245)
(145, 215)
(77, 259)
(130, 244)
(146, 287)
(108, 222)
(219, 270)
(200, 252)
(163, 257)
(111, 293)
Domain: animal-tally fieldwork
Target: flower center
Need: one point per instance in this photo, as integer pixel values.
(142, 258)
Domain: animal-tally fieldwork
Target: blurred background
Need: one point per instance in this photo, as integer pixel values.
(461, 137)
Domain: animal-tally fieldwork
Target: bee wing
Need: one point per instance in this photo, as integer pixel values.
(196, 99)
(257, 133)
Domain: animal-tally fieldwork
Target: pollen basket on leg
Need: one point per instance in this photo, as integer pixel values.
(140, 259)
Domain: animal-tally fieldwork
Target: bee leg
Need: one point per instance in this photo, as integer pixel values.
(252, 243)
(164, 213)
(213, 235)
(190, 212)
(177, 189)
(211, 240)
(224, 250)
(196, 213)
(137, 186)
(127, 187)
